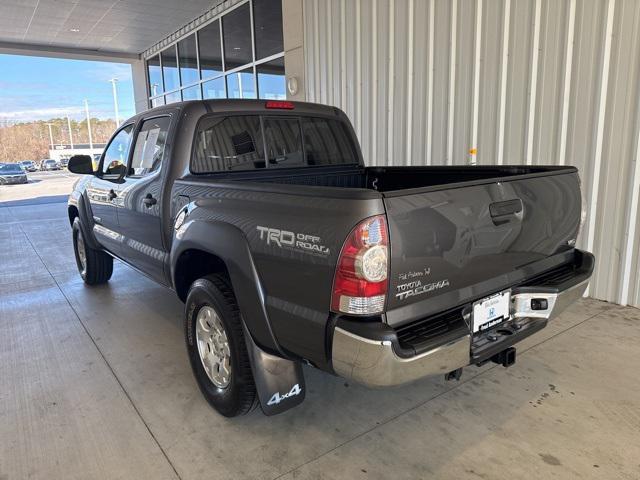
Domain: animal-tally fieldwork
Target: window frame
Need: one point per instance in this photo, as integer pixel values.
(262, 115)
(136, 132)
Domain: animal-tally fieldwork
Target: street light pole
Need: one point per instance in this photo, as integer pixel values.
(50, 136)
(86, 109)
(115, 99)
(70, 136)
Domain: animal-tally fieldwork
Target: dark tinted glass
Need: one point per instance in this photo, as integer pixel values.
(170, 69)
(214, 88)
(188, 60)
(284, 142)
(210, 53)
(241, 84)
(155, 75)
(326, 142)
(228, 144)
(115, 157)
(236, 30)
(235, 143)
(267, 18)
(149, 150)
(271, 80)
(10, 168)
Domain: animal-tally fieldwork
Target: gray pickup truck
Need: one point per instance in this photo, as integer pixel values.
(287, 249)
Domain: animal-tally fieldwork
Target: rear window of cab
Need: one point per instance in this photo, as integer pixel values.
(249, 142)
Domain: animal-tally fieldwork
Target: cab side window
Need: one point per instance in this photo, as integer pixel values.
(114, 162)
(150, 146)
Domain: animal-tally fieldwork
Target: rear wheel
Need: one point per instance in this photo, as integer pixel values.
(216, 347)
(95, 266)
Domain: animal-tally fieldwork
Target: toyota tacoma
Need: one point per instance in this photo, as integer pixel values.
(287, 249)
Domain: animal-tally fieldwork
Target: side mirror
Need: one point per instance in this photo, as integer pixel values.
(81, 164)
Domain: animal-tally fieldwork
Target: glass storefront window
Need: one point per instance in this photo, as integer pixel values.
(271, 80)
(170, 69)
(236, 31)
(214, 88)
(191, 93)
(241, 84)
(187, 56)
(172, 97)
(267, 19)
(222, 45)
(210, 50)
(155, 75)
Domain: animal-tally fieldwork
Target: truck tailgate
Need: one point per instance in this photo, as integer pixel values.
(453, 244)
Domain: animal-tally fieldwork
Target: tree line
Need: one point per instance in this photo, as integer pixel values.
(31, 140)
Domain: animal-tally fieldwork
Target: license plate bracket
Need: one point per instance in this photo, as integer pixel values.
(491, 311)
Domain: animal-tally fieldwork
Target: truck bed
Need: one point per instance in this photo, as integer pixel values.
(459, 233)
(396, 179)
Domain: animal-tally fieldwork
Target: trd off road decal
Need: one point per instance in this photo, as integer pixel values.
(301, 242)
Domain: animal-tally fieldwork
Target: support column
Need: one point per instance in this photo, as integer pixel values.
(139, 78)
(294, 66)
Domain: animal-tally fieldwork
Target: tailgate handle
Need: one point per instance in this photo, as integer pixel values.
(502, 209)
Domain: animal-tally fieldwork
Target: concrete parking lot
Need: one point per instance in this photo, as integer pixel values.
(96, 384)
(40, 186)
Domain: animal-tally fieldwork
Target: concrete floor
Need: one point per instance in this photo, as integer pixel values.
(96, 384)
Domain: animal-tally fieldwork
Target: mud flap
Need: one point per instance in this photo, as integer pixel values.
(279, 382)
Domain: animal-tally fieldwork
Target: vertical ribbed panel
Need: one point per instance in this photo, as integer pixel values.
(532, 81)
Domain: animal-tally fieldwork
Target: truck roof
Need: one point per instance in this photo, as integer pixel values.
(245, 105)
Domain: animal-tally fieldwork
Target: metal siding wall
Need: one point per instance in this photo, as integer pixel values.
(565, 90)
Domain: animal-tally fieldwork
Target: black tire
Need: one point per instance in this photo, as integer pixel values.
(238, 397)
(98, 265)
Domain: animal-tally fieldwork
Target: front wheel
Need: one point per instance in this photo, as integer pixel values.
(216, 347)
(94, 266)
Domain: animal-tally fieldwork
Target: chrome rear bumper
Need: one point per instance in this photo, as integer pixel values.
(376, 362)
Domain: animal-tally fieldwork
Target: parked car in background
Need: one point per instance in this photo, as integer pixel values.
(64, 162)
(11, 173)
(29, 165)
(49, 164)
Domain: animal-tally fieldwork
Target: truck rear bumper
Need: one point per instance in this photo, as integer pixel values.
(378, 360)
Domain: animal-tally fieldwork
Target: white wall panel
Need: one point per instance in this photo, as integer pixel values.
(539, 81)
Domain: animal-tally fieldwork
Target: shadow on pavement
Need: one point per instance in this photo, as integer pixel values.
(35, 201)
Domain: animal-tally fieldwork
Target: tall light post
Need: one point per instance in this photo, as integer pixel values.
(70, 136)
(50, 136)
(115, 99)
(86, 110)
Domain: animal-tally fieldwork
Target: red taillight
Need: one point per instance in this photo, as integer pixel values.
(279, 105)
(360, 283)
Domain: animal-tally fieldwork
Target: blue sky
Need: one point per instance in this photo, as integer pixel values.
(38, 88)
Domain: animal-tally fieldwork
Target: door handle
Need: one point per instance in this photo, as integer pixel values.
(149, 201)
(112, 194)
